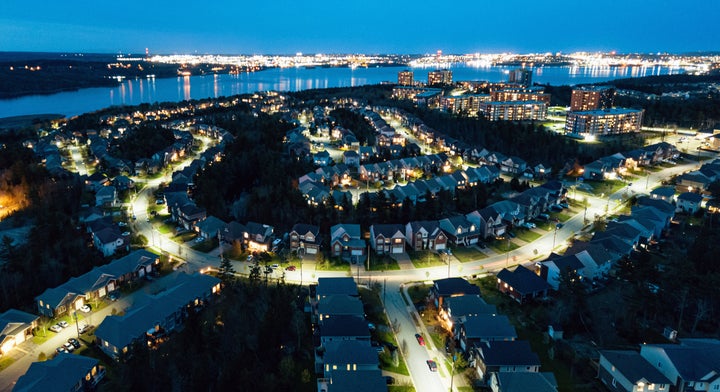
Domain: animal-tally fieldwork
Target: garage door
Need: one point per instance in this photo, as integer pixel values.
(356, 252)
(397, 249)
(439, 246)
(101, 292)
(111, 286)
(310, 251)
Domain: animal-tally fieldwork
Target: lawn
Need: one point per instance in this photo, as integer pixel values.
(605, 187)
(503, 246)
(165, 228)
(207, 245)
(383, 263)
(401, 388)
(562, 216)
(418, 293)
(5, 362)
(424, 259)
(527, 235)
(467, 254)
(333, 264)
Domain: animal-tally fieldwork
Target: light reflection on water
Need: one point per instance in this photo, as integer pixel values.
(141, 90)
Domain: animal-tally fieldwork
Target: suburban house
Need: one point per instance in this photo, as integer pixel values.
(96, 181)
(489, 221)
(689, 202)
(387, 238)
(339, 305)
(455, 309)
(692, 365)
(340, 328)
(523, 381)
(503, 356)
(345, 356)
(346, 241)
(189, 214)
(425, 235)
(628, 371)
(106, 196)
(665, 193)
(597, 258)
(90, 214)
(322, 158)
(555, 266)
(156, 317)
(305, 239)
(351, 158)
(233, 233)
(258, 236)
(451, 287)
(109, 239)
(484, 328)
(522, 284)
(123, 183)
(353, 381)
(16, 327)
(210, 227)
(95, 284)
(66, 372)
(460, 230)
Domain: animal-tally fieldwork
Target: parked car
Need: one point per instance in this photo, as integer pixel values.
(159, 201)
(86, 309)
(555, 208)
(511, 234)
(61, 350)
(63, 324)
(529, 225)
(420, 339)
(559, 226)
(389, 380)
(83, 328)
(432, 365)
(69, 347)
(566, 205)
(74, 342)
(56, 328)
(543, 217)
(290, 268)
(113, 296)
(274, 266)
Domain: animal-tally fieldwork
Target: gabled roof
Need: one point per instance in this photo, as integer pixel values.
(59, 374)
(340, 304)
(360, 381)
(661, 205)
(211, 225)
(663, 191)
(453, 286)
(634, 367)
(234, 230)
(468, 305)
(351, 229)
(432, 227)
(12, 321)
(508, 353)
(350, 351)
(304, 228)
(523, 280)
(254, 228)
(389, 230)
(596, 251)
(352, 326)
(526, 381)
(336, 286)
(488, 327)
(690, 197)
(694, 359)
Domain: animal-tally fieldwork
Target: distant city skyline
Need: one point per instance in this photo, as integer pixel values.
(372, 26)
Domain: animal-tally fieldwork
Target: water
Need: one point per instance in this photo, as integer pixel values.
(136, 91)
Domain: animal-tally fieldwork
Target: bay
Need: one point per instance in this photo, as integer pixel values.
(150, 90)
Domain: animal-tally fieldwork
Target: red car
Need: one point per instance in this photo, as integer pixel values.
(290, 268)
(420, 339)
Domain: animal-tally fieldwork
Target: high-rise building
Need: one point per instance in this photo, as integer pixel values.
(405, 78)
(592, 98)
(521, 76)
(440, 76)
(604, 122)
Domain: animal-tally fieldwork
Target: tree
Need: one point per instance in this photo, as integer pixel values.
(226, 270)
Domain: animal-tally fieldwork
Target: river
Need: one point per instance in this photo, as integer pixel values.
(136, 91)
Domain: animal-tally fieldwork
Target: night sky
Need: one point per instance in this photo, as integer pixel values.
(352, 26)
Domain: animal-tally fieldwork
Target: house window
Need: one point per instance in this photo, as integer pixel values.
(614, 383)
(41, 304)
(334, 367)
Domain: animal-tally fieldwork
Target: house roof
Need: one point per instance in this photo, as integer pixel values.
(350, 351)
(211, 225)
(59, 374)
(690, 197)
(254, 228)
(351, 229)
(565, 263)
(12, 321)
(360, 381)
(108, 235)
(523, 280)
(663, 191)
(468, 305)
(432, 227)
(106, 191)
(345, 326)
(526, 381)
(634, 367)
(388, 230)
(120, 331)
(304, 228)
(336, 286)
(661, 205)
(453, 286)
(596, 251)
(234, 230)
(340, 304)
(489, 326)
(694, 359)
(508, 353)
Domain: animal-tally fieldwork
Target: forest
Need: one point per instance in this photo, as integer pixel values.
(142, 141)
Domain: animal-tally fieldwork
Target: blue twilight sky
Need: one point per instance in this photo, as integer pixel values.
(359, 26)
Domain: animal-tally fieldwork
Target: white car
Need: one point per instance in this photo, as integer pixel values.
(85, 309)
(56, 328)
(63, 324)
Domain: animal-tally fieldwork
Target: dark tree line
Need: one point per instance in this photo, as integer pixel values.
(54, 250)
(255, 338)
(142, 141)
(355, 123)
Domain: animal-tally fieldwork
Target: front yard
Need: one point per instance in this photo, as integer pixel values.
(332, 264)
(390, 360)
(425, 259)
(467, 254)
(527, 235)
